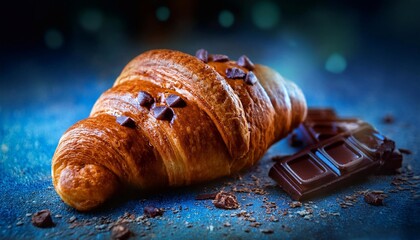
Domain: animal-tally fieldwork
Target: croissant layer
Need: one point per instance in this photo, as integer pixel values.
(173, 119)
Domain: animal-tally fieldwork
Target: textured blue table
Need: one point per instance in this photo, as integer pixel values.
(41, 95)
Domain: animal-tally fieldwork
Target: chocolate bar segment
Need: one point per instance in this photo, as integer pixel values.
(336, 151)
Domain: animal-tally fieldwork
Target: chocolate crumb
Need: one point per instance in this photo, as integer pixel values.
(163, 113)
(389, 118)
(126, 121)
(405, 151)
(145, 99)
(235, 73)
(152, 212)
(206, 196)
(226, 200)
(203, 55)
(295, 204)
(72, 219)
(255, 224)
(174, 100)
(267, 231)
(244, 61)
(374, 199)
(250, 78)
(218, 58)
(286, 228)
(42, 219)
(120, 232)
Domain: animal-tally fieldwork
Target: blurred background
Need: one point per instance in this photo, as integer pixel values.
(292, 36)
(351, 55)
(304, 40)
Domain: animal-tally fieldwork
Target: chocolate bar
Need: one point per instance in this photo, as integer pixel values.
(336, 151)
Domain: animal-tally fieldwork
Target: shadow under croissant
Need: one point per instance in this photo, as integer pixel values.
(137, 199)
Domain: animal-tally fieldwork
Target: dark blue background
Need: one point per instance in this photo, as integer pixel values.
(48, 82)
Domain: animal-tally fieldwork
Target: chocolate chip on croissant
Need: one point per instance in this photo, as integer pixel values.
(173, 119)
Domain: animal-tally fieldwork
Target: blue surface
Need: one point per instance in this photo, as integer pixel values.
(42, 95)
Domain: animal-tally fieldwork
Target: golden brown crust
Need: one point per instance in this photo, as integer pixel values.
(225, 126)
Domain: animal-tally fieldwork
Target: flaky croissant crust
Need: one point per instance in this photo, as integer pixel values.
(225, 125)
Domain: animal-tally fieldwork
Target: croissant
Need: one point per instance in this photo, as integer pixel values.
(174, 119)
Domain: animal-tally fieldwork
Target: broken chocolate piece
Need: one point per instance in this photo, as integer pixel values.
(203, 55)
(226, 200)
(336, 151)
(42, 219)
(174, 100)
(120, 232)
(218, 58)
(250, 78)
(126, 121)
(145, 99)
(375, 199)
(151, 211)
(244, 61)
(235, 73)
(163, 113)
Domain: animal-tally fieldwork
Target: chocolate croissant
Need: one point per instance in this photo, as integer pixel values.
(173, 119)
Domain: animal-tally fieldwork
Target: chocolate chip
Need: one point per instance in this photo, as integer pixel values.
(374, 199)
(145, 99)
(226, 200)
(235, 73)
(163, 113)
(42, 219)
(250, 78)
(120, 232)
(151, 211)
(126, 121)
(175, 101)
(202, 54)
(244, 61)
(218, 58)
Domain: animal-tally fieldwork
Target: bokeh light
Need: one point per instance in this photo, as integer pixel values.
(265, 14)
(91, 19)
(336, 63)
(53, 39)
(226, 18)
(163, 13)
